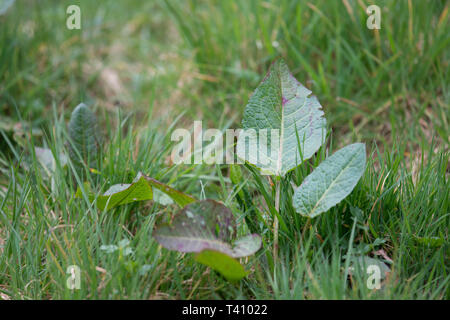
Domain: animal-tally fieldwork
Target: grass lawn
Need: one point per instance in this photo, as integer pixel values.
(148, 67)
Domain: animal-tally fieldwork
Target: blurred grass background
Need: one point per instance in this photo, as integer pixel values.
(206, 57)
(201, 60)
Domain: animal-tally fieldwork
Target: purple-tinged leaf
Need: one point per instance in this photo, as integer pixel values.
(202, 225)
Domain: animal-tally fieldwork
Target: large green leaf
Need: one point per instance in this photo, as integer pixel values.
(84, 145)
(206, 224)
(229, 267)
(331, 181)
(140, 189)
(179, 197)
(282, 104)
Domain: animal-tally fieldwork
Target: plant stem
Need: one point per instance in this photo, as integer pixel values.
(275, 221)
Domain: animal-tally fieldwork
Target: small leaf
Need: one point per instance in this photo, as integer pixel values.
(331, 181)
(202, 225)
(141, 189)
(120, 194)
(283, 104)
(227, 266)
(85, 138)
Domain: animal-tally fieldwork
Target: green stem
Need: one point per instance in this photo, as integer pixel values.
(275, 221)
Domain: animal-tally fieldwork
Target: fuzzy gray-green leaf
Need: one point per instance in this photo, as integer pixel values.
(331, 181)
(142, 188)
(282, 104)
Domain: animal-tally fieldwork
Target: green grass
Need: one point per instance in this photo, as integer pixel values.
(150, 67)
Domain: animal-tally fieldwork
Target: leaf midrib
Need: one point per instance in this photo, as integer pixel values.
(218, 241)
(332, 183)
(281, 143)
